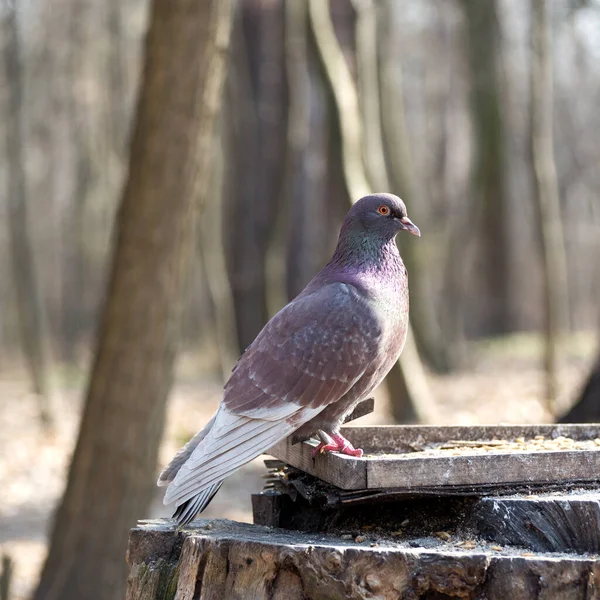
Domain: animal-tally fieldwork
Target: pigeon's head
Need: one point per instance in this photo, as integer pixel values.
(382, 215)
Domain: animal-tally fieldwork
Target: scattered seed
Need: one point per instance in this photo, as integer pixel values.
(443, 535)
(496, 548)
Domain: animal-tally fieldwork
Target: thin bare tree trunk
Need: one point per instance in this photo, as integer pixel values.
(30, 311)
(396, 142)
(118, 121)
(587, 407)
(305, 226)
(488, 187)
(6, 572)
(111, 477)
(212, 254)
(255, 157)
(287, 255)
(412, 386)
(368, 85)
(546, 191)
(73, 284)
(345, 96)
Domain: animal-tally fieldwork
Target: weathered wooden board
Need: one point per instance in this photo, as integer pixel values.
(222, 560)
(346, 472)
(389, 438)
(392, 458)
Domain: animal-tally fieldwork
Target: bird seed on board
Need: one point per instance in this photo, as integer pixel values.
(520, 444)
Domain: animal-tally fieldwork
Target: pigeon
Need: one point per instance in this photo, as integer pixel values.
(311, 364)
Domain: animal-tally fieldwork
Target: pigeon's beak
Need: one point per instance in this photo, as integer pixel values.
(408, 225)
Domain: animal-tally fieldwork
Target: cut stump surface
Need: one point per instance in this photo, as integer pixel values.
(226, 560)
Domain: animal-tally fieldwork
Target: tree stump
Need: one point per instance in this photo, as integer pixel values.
(223, 560)
(519, 523)
(547, 523)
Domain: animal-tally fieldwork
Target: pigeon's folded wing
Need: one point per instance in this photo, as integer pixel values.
(308, 356)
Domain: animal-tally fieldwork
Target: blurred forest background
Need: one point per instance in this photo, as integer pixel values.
(481, 114)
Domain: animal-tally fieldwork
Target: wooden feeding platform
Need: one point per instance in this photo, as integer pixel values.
(486, 512)
(414, 460)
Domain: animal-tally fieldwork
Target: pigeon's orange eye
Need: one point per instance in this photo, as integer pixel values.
(383, 210)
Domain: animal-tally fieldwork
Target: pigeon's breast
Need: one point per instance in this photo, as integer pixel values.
(388, 296)
(386, 301)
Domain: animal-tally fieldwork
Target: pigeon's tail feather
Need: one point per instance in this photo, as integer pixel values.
(169, 472)
(186, 511)
(233, 441)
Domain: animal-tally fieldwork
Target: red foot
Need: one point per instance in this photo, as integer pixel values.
(338, 444)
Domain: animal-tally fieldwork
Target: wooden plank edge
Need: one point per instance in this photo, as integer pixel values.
(345, 472)
(534, 467)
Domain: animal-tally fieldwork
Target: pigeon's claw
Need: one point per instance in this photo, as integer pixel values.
(339, 444)
(318, 450)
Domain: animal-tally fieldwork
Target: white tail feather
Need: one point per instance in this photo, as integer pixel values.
(224, 449)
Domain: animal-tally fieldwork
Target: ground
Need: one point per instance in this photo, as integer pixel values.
(503, 384)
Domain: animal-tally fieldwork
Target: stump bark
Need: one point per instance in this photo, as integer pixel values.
(225, 560)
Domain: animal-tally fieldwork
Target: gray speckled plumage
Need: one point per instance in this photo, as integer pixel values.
(314, 360)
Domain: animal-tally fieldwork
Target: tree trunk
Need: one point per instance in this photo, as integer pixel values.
(408, 383)
(111, 476)
(488, 168)
(118, 117)
(368, 59)
(6, 571)
(306, 227)
(395, 140)
(30, 312)
(220, 560)
(546, 191)
(345, 95)
(409, 391)
(587, 407)
(73, 278)
(211, 249)
(256, 157)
